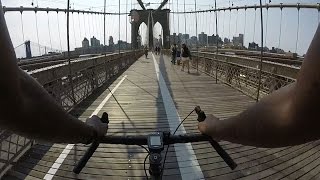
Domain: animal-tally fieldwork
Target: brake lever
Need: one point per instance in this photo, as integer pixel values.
(95, 144)
(223, 154)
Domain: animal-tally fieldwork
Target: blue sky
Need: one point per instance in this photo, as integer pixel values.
(87, 26)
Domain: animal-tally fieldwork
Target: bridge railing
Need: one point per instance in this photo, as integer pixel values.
(243, 73)
(69, 90)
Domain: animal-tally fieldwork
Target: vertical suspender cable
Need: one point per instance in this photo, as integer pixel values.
(104, 26)
(92, 25)
(49, 30)
(90, 34)
(280, 25)
(224, 20)
(178, 20)
(69, 61)
(79, 27)
(119, 28)
(265, 37)
(298, 27)
(85, 28)
(261, 55)
(37, 32)
(245, 23)
(22, 28)
(185, 18)
(318, 12)
(237, 23)
(126, 24)
(229, 23)
(59, 30)
(195, 9)
(254, 23)
(74, 32)
(217, 37)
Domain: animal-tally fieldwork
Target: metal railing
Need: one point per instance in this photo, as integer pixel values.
(242, 73)
(87, 75)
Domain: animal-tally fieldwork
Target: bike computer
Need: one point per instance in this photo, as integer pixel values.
(155, 141)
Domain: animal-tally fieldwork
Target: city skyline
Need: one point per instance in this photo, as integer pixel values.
(85, 26)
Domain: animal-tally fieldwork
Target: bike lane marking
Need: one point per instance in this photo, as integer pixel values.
(188, 164)
(54, 168)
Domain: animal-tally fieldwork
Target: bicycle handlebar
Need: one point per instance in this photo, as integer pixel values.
(143, 140)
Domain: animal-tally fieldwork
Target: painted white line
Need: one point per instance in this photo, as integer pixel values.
(54, 168)
(188, 164)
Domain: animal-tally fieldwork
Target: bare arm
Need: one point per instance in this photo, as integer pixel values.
(289, 116)
(27, 109)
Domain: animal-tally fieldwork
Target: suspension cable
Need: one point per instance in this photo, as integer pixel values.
(59, 30)
(229, 24)
(195, 8)
(265, 37)
(223, 22)
(74, 32)
(254, 24)
(49, 30)
(217, 37)
(126, 24)
(80, 32)
(100, 29)
(280, 26)
(245, 23)
(22, 28)
(298, 27)
(37, 32)
(261, 55)
(69, 60)
(92, 25)
(185, 18)
(236, 32)
(178, 20)
(85, 28)
(90, 34)
(119, 27)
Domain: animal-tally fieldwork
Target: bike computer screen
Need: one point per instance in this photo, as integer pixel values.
(155, 142)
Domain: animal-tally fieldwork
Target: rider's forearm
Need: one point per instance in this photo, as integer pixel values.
(269, 123)
(44, 119)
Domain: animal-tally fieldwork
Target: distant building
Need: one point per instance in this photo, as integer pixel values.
(111, 43)
(94, 42)
(212, 40)
(277, 50)
(253, 46)
(193, 40)
(238, 41)
(185, 38)
(85, 43)
(203, 39)
(226, 41)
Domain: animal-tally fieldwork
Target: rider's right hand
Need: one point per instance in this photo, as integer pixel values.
(209, 126)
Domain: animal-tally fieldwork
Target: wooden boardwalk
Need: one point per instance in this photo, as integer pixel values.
(138, 107)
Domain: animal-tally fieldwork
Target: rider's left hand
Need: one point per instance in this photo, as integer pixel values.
(100, 127)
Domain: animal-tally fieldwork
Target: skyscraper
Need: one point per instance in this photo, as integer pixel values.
(203, 38)
(94, 42)
(111, 43)
(85, 43)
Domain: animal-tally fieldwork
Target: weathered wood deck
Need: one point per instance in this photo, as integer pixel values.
(138, 107)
